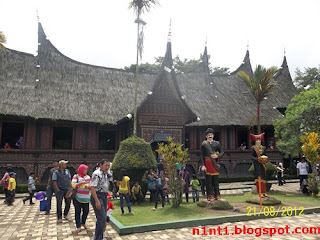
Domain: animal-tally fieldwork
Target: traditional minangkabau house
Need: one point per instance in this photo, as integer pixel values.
(79, 112)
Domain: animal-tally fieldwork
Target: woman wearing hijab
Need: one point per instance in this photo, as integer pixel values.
(81, 182)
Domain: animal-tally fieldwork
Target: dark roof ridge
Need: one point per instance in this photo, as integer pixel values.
(19, 52)
(44, 38)
(245, 65)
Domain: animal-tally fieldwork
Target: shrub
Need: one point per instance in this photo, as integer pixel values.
(173, 154)
(293, 169)
(136, 156)
(271, 170)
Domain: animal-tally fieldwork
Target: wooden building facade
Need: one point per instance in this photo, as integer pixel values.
(69, 110)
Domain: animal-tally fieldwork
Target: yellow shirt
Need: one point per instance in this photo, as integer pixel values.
(12, 184)
(123, 185)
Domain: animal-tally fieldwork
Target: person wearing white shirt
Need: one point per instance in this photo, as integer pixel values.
(302, 170)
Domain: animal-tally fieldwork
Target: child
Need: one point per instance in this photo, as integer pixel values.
(137, 195)
(166, 188)
(195, 188)
(110, 208)
(11, 188)
(124, 189)
(31, 189)
(7, 146)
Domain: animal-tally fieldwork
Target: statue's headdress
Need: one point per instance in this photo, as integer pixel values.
(255, 137)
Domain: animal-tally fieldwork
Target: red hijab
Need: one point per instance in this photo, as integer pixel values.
(81, 170)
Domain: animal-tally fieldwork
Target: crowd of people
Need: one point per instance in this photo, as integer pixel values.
(83, 189)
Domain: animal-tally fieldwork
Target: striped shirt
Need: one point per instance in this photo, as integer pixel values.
(83, 193)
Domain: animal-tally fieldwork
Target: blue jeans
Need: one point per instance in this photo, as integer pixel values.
(101, 215)
(85, 210)
(126, 196)
(49, 193)
(195, 195)
(60, 195)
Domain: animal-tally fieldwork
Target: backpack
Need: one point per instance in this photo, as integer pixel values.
(159, 183)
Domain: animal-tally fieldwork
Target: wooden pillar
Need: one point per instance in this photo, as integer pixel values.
(30, 138)
(92, 137)
(46, 135)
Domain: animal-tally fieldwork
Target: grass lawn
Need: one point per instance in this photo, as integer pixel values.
(144, 215)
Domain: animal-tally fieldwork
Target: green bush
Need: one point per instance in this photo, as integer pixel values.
(271, 170)
(136, 156)
(23, 188)
(293, 169)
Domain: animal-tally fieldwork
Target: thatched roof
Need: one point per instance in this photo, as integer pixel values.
(70, 90)
(226, 100)
(67, 89)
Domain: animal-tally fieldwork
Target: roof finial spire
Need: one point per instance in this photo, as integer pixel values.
(38, 15)
(169, 34)
(247, 45)
(206, 41)
(284, 51)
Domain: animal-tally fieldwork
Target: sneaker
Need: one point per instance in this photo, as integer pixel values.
(105, 234)
(24, 201)
(32, 203)
(46, 213)
(66, 218)
(59, 221)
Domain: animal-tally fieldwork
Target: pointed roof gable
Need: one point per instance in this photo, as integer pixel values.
(245, 65)
(168, 74)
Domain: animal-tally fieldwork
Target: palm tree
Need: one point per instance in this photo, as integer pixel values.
(139, 7)
(261, 84)
(2, 40)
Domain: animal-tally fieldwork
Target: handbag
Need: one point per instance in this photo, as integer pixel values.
(71, 194)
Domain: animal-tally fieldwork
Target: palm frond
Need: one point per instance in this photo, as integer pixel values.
(141, 6)
(261, 83)
(2, 40)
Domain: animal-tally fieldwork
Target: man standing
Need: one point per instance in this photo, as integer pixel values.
(99, 191)
(50, 188)
(211, 155)
(5, 182)
(302, 170)
(62, 182)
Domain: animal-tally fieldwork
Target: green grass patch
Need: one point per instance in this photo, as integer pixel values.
(265, 202)
(143, 213)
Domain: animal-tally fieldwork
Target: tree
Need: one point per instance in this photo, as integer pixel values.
(310, 147)
(180, 66)
(261, 84)
(308, 78)
(173, 155)
(139, 6)
(219, 71)
(144, 68)
(302, 115)
(2, 40)
(136, 156)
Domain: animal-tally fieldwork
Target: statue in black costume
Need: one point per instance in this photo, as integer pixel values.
(211, 155)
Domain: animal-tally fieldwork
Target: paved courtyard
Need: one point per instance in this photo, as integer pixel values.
(25, 222)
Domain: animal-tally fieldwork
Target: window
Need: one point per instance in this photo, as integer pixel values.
(107, 140)
(11, 132)
(242, 136)
(62, 138)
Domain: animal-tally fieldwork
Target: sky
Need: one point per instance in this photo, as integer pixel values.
(103, 32)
